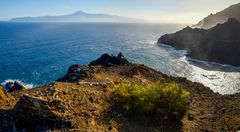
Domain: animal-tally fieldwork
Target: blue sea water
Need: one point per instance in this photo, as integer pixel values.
(39, 53)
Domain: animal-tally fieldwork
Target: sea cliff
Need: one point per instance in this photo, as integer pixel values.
(219, 44)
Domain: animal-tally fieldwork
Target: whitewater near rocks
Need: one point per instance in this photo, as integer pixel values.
(83, 102)
(80, 43)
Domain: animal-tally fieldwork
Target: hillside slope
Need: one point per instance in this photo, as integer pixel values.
(220, 17)
(82, 101)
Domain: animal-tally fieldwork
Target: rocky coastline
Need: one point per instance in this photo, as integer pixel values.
(219, 44)
(81, 101)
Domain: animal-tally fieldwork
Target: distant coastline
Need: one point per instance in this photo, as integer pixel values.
(80, 16)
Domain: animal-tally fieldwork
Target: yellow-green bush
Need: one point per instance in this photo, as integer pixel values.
(159, 98)
(3, 95)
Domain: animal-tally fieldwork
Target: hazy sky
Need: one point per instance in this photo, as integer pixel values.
(174, 11)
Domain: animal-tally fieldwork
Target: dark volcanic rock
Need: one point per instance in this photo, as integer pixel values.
(13, 86)
(107, 60)
(219, 44)
(77, 72)
(34, 113)
(220, 17)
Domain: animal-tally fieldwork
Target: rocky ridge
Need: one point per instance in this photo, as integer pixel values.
(81, 101)
(219, 44)
(220, 17)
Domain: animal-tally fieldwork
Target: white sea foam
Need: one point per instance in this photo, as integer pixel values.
(26, 85)
(221, 78)
(172, 51)
(219, 81)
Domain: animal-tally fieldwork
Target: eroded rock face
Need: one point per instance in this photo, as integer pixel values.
(219, 44)
(77, 72)
(107, 60)
(37, 113)
(13, 86)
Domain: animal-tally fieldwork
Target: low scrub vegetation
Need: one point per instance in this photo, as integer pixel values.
(3, 95)
(169, 99)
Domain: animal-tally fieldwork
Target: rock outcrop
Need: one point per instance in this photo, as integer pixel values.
(14, 86)
(31, 112)
(219, 44)
(77, 72)
(61, 107)
(107, 60)
(220, 17)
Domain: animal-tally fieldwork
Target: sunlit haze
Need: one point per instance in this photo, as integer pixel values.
(162, 11)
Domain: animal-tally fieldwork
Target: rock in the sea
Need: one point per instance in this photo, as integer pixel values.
(108, 60)
(219, 44)
(13, 86)
(77, 72)
(35, 113)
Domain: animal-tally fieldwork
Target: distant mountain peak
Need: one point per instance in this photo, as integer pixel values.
(80, 13)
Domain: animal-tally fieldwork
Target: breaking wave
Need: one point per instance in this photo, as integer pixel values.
(221, 78)
(26, 85)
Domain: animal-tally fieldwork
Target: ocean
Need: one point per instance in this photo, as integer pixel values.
(39, 53)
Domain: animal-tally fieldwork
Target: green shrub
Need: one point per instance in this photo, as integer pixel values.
(159, 98)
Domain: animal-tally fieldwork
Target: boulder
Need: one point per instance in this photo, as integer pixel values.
(107, 60)
(36, 114)
(13, 86)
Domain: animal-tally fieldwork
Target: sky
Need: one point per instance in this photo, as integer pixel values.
(160, 11)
